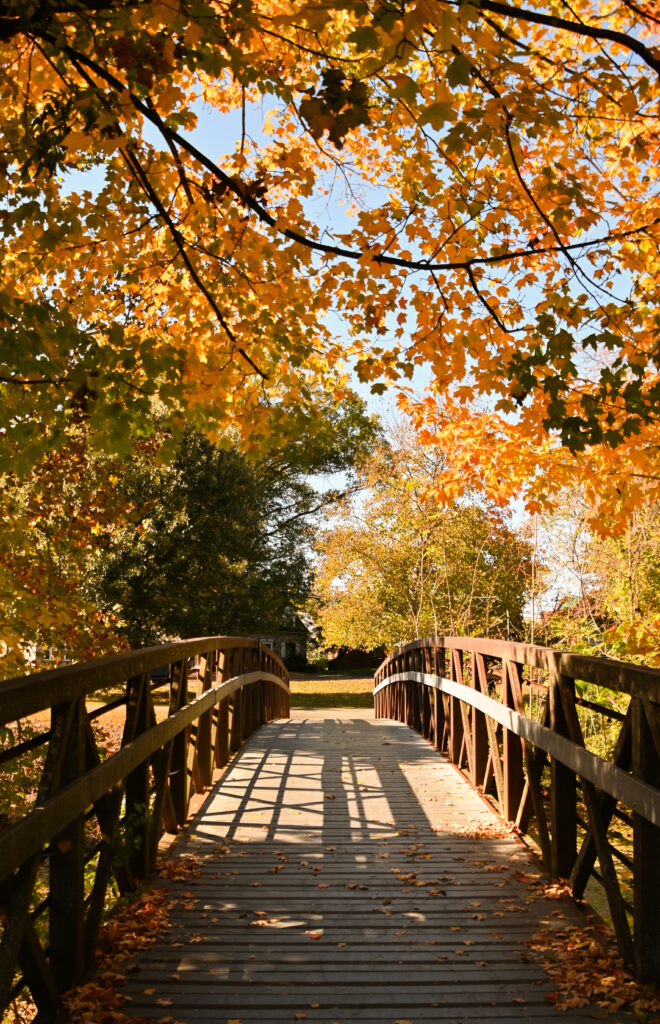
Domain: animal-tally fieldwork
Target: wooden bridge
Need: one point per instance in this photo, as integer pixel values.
(350, 866)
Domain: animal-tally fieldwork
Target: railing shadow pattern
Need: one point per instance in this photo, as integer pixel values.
(94, 819)
(511, 716)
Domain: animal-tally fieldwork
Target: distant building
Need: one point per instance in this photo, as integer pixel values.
(290, 640)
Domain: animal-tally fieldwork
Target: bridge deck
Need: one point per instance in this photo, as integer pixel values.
(340, 883)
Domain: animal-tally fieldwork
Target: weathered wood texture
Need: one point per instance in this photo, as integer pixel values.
(350, 874)
(96, 816)
(516, 710)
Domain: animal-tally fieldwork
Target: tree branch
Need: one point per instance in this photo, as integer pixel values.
(179, 241)
(576, 27)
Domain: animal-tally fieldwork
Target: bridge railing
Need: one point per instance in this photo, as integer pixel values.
(92, 816)
(581, 775)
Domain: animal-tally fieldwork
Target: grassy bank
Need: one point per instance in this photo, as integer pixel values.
(333, 692)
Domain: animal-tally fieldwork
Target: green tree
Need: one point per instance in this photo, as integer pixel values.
(216, 549)
(181, 538)
(396, 565)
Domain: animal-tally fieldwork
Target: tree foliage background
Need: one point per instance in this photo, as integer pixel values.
(394, 565)
(285, 192)
(599, 594)
(99, 551)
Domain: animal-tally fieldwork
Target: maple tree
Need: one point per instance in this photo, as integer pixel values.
(52, 524)
(499, 169)
(394, 565)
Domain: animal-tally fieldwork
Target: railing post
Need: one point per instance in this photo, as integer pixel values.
(236, 737)
(204, 752)
(563, 810)
(137, 816)
(67, 854)
(67, 865)
(222, 734)
(479, 729)
(179, 788)
(514, 780)
(455, 717)
(646, 842)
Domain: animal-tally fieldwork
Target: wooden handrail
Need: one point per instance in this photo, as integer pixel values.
(134, 795)
(621, 676)
(472, 698)
(26, 695)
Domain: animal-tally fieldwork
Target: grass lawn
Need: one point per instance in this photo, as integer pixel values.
(333, 692)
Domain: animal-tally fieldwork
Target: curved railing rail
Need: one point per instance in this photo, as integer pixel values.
(523, 724)
(93, 818)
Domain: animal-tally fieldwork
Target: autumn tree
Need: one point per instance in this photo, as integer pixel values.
(395, 565)
(51, 527)
(218, 210)
(499, 167)
(603, 589)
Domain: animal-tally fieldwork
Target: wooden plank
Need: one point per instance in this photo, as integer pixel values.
(309, 905)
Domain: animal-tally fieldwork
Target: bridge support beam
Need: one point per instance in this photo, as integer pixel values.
(646, 843)
(563, 813)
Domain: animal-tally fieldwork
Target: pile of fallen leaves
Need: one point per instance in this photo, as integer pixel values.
(180, 869)
(134, 927)
(586, 968)
(497, 829)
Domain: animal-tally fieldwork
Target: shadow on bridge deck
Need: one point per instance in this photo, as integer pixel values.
(350, 874)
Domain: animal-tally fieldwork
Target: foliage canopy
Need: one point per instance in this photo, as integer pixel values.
(499, 166)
